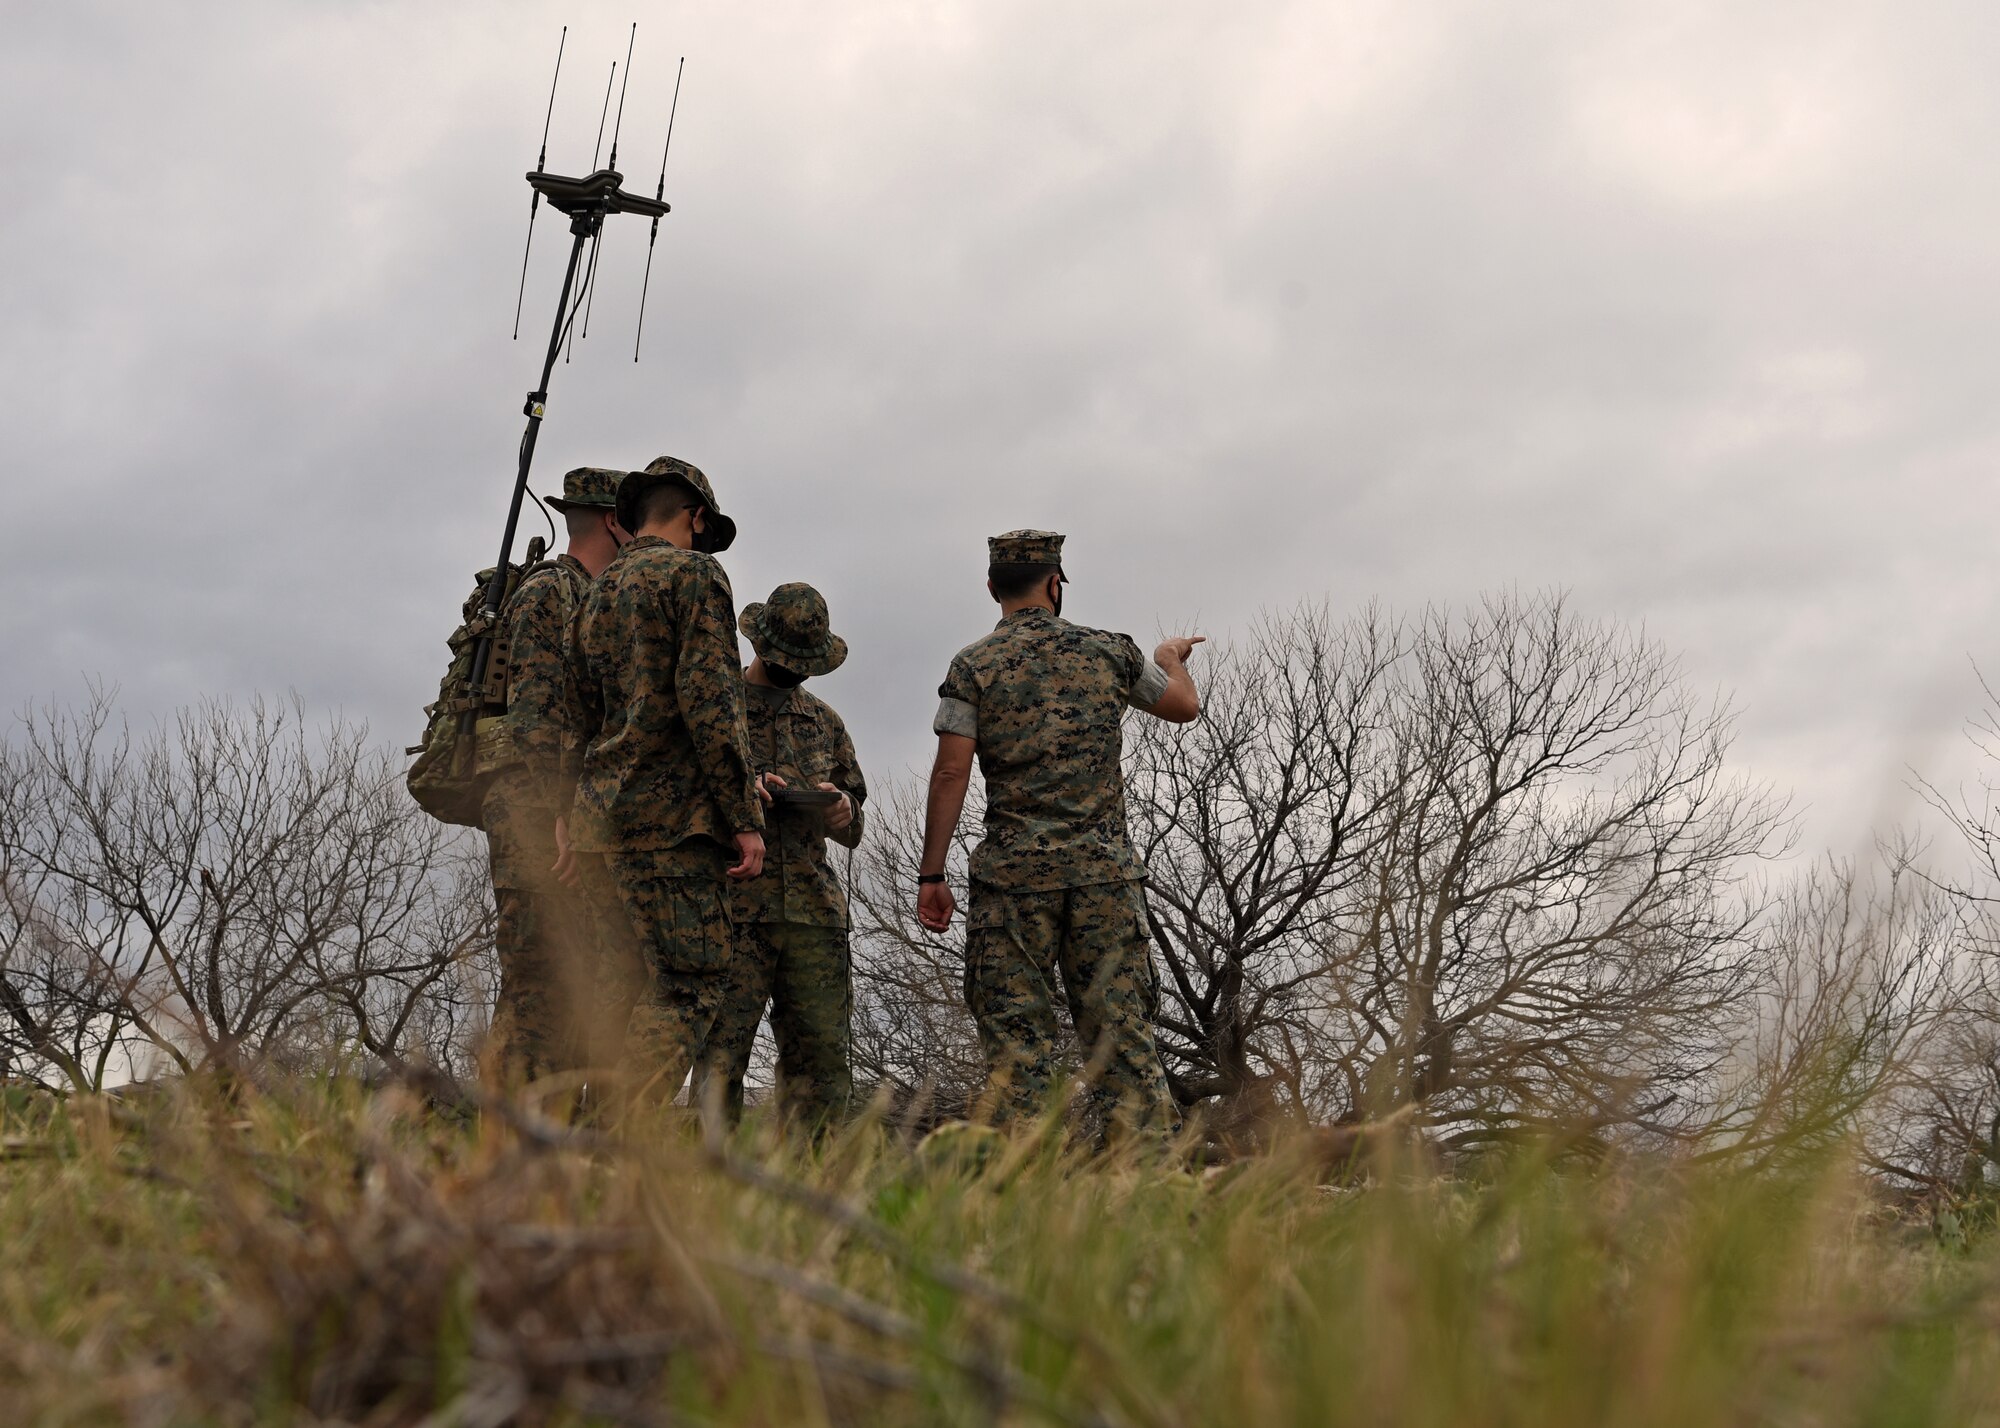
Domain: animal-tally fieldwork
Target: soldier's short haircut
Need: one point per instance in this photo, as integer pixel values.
(582, 520)
(662, 501)
(1014, 578)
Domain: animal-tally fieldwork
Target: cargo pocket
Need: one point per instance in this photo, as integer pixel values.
(986, 916)
(695, 928)
(1142, 944)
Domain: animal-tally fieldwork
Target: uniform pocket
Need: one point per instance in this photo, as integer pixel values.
(986, 921)
(695, 932)
(1142, 935)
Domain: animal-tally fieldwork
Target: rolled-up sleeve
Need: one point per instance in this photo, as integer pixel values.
(955, 716)
(958, 702)
(1150, 687)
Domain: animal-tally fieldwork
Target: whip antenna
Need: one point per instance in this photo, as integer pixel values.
(602, 115)
(659, 192)
(619, 122)
(535, 202)
(589, 287)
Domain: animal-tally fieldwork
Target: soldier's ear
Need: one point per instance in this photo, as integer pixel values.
(994, 593)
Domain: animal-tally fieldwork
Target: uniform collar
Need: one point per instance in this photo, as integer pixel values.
(790, 704)
(1022, 617)
(570, 562)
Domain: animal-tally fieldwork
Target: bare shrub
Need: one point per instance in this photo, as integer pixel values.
(227, 890)
(1860, 980)
(1943, 1129)
(1256, 824)
(1556, 921)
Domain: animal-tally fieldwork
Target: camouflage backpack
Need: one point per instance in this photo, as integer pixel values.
(454, 768)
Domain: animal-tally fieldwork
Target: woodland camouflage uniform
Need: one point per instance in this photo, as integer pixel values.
(1056, 884)
(663, 783)
(547, 951)
(791, 924)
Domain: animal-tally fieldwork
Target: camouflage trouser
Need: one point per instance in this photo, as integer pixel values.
(803, 973)
(1097, 937)
(662, 979)
(548, 969)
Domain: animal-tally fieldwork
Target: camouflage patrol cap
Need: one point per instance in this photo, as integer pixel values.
(1025, 548)
(792, 631)
(588, 488)
(720, 530)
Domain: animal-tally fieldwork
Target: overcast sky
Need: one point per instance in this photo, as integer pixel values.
(1688, 308)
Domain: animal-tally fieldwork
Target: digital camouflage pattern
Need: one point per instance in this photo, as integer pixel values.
(1043, 701)
(791, 630)
(588, 488)
(539, 727)
(801, 739)
(661, 982)
(803, 972)
(663, 754)
(543, 934)
(1025, 548)
(664, 783)
(550, 969)
(1096, 936)
(791, 923)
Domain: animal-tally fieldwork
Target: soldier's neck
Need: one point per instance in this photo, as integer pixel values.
(1015, 607)
(592, 555)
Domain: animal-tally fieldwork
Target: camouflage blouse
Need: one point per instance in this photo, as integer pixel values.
(528, 790)
(1043, 702)
(800, 738)
(663, 754)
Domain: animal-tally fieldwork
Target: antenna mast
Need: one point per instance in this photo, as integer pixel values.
(588, 201)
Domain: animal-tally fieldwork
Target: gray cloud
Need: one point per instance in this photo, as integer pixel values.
(1688, 310)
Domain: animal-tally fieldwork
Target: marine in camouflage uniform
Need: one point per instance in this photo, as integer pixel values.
(665, 797)
(547, 952)
(791, 924)
(1056, 888)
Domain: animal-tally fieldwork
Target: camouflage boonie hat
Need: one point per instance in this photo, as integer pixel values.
(588, 488)
(1025, 548)
(791, 630)
(720, 532)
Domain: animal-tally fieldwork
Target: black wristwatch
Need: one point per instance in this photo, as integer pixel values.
(923, 878)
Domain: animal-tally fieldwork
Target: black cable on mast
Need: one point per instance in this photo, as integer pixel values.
(659, 192)
(535, 202)
(583, 293)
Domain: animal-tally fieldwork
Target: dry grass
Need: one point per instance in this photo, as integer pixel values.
(330, 1255)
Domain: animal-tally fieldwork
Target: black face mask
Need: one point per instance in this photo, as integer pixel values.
(781, 677)
(1057, 595)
